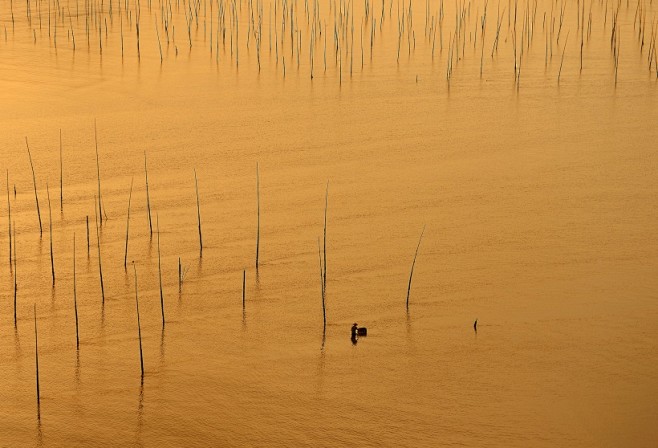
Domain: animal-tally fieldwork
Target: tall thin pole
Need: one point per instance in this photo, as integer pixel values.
(139, 326)
(180, 276)
(34, 183)
(50, 226)
(15, 276)
(98, 175)
(258, 219)
(125, 256)
(9, 219)
(100, 266)
(198, 211)
(36, 360)
(75, 299)
(157, 222)
(61, 175)
(326, 203)
(412, 266)
(148, 197)
(324, 310)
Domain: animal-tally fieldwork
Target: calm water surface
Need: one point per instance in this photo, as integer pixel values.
(538, 198)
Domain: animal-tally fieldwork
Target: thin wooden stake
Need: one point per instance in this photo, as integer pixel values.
(258, 213)
(157, 221)
(50, 226)
(98, 174)
(139, 326)
(244, 281)
(198, 211)
(75, 300)
(413, 264)
(559, 73)
(15, 276)
(36, 361)
(61, 175)
(125, 256)
(87, 219)
(324, 277)
(158, 34)
(324, 310)
(34, 183)
(9, 220)
(148, 197)
(100, 266)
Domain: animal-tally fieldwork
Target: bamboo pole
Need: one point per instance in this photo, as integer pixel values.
(15, 276)
(100, 266)
(139, 326)
(562, 59)
(198, 210)
(9, 220)
(258, 215)
(244, 281)
(157, 221)
(36, 361)
(413, 264)
(158, 35)
(324, 310)
(324, 276)
(98, 174)
(148, 197)
(75, 300)
(61, 175)
(125, 255)
(34, 183)
(50, 227)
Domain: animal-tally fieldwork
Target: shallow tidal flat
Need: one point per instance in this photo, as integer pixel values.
(518, 137)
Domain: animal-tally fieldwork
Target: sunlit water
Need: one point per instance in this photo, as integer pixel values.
(537, 195)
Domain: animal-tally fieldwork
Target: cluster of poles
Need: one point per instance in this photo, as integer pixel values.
(100, 215)
(292, 31)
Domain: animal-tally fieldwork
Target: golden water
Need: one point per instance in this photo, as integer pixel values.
(538, 197)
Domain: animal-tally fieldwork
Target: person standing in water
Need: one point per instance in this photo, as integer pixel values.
(355, 330)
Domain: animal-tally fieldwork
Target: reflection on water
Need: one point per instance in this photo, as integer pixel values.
(17, 344)
(39, 433)
(162, 348)
(140, 414)
(77, 369)
(519, 133)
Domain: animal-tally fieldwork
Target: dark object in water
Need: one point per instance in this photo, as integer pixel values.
(475, 325)
(358, 331)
